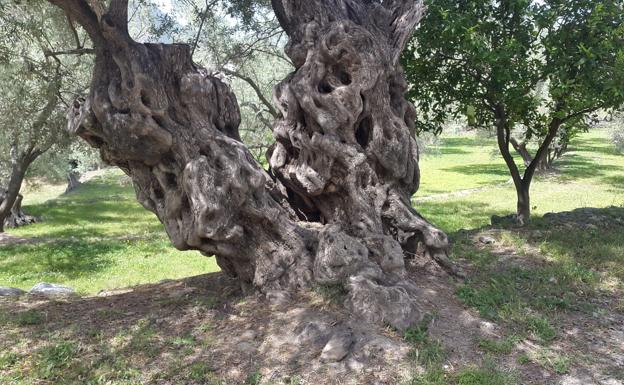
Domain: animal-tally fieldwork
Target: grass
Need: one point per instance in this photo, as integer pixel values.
(590, 175)
(425, 351)
(53, 359)
(565, 271)
(29, 318)
(460, 163)
(96, 238)
(484, 376)
(497, 347)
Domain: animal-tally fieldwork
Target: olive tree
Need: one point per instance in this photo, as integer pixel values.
(33, 91)
(490, 59)
(335, 207)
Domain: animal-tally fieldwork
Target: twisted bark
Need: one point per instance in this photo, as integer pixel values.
(335, 207)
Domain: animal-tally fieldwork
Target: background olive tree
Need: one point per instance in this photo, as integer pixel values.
(40, 75)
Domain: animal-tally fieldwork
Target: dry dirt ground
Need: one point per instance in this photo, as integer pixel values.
(204, 330)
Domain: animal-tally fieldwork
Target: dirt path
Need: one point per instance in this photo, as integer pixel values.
(460, 193)
(10, 240)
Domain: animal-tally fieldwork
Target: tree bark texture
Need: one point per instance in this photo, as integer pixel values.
(334, 208)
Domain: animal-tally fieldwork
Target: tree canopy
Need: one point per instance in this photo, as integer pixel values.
(535, 67)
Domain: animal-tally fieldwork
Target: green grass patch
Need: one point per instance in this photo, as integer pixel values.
(484, 376)
(202, 372)
(54, 359)
(542, 328)
(8, 360)
(29, 318)
(498, 347)
(431, 376)
(551, 360)
(96, 238)
(424, 350)
(335, 293)
(254, 378)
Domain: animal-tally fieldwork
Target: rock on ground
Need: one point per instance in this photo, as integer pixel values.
(51, 289)
(338, 346)
(10, 291)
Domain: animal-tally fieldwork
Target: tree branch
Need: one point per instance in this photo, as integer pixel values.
(118, 14)
(83, 14)
(406, 15)
(201, 25)
(73, 30)
(256, 89)
(77, 51)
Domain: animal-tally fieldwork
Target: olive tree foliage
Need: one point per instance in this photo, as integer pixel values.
(248, 48)
(335, 206)
(539, 70)
(37, 87)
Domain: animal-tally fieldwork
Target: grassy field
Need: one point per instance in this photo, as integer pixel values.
(591, 174)
(541, 281)
(96, 238)
(552, 291)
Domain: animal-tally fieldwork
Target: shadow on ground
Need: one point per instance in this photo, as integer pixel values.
(556, 286)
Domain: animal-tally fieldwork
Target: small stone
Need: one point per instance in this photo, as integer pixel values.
(10, 291)
(338, 347)
(246, 347)
(249, 335)
(51, 289)
(487, 240)
(278, 297)
(313, 335)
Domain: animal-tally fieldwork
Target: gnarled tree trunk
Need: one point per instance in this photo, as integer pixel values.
(335, 207)
(11, 214)
(16, 217)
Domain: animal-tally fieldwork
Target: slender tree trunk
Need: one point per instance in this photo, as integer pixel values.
(523, 213)
(503, 135)
(73, 181)
(73, 177)
(336, 206)
(11, 194)
(522, 183)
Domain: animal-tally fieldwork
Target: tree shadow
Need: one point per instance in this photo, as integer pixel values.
(582, 242)
(480, 169)
(457, 214)
(596, 145)
(450, 146)
(66, 259)
(576, 167)
(615, 181)
(556, 274)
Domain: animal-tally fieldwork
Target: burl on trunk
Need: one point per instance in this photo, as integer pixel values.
(335, 206)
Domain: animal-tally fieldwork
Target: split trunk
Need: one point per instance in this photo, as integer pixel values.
(335, 206)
